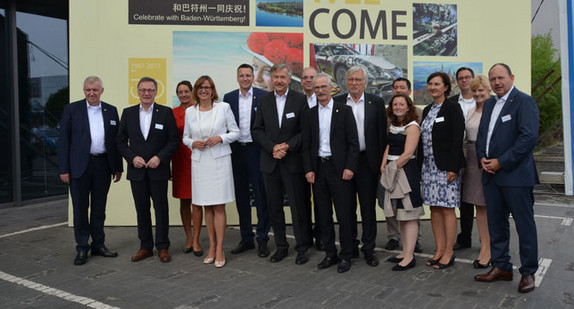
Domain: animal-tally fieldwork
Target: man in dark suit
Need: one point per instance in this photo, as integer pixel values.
(87, 160)
(330, 159)
(245, 160)
(277, 129)
(147, 139)
(371, 120)
(507, 135)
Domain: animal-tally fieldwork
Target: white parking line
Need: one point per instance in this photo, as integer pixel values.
(565, 220)
(55, 292)
(543, 266)
(34, 229)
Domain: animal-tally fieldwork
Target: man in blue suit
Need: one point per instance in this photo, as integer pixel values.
(87, 160)
(507, 135)
(245, 160)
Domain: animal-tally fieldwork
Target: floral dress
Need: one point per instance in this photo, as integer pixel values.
(436, 190)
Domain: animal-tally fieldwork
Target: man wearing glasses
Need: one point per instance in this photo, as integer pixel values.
(147, 139)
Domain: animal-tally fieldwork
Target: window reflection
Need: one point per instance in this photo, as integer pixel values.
(5, 115)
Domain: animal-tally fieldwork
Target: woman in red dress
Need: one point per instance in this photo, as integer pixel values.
(181, 171)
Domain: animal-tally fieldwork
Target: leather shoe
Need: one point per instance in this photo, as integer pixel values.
(411, 264)
(142, 255)
(103, 251)
(328, 262)
(164, 256)
(278, 256)
(81, 258)
(301, 258)
(392, 244)
(263, 250)
(371, 259)
(459, 246)
(526, 284)
(243, 246)
(494, 274)
(344, 266)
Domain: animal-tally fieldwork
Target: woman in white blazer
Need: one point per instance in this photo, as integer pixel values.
(209, 129)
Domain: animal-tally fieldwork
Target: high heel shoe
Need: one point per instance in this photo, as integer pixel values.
(197, 253)
(219, 264)
(208, 260)
(394, 259)
(477, 264)
(411, 264)
(439, 265)
(432, 262)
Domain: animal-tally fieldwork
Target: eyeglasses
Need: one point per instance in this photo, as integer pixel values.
(146, 90)
(322, 87)
(204, 87)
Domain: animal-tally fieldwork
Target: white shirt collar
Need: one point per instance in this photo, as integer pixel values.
(362, 98)
(505, 97)
(248, 94)
(284, 95)
(97, 106)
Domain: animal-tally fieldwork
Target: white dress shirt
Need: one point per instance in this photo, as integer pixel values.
(466, 105)
(494, 117)
(280, 99)
(312, 100)
(245, 105)
(359, 113)
(325, 114)
(97, 133)
(145, 120)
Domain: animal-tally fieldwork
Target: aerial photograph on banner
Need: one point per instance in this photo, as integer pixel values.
(422, 70)
(218, 54)
(384, 63)
(435, 29)
(279, 13)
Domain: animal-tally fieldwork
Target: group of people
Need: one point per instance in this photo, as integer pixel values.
(288, 144)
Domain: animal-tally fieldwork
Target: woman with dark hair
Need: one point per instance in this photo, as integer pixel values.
(209, 129)
(181, 175)
(442, 133)
(402, 142)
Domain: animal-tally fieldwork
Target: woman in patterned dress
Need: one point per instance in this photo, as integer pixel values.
(442, 133)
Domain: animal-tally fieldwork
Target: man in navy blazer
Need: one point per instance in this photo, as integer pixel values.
(507, 135)
(245, 161)
(87, 160)
(147, 139)
(277, 129)
(371, 120)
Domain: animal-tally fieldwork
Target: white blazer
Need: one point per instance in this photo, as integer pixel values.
(223, 125)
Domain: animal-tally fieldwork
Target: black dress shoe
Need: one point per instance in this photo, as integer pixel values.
(243, 246)
(344, 266)
(81, 258)
(459, 246)
(371, 259)
(411, 264)
(328, 262)
(394, 259)
(103, 251)
(263, 250)
(301, 258)
(278, 256)
(392, 244)
(418, 248)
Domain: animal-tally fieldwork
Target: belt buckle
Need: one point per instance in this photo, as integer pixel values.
(325, 159)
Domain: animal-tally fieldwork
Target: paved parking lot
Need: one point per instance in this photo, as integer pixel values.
(37, 251)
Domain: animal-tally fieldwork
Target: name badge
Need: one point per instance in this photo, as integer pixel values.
(506, 118)
(159, 126)
(290, 115)
(112, 122)
(439, 119)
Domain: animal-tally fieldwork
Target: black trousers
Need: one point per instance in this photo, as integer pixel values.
(294, 185)
(90, 191)
(329, 189)
(142, 191)
(365, 185)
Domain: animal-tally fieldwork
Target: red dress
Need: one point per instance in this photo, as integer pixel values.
(181, 161)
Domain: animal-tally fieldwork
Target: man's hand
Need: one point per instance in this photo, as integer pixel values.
(65, 178)
(153, 162)
(139, 162)
(490, 165)
(280, 150)
(310, 177)
(348, 174)
(117, 176)
(214, 140)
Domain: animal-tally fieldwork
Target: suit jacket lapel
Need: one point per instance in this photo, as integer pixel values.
(253, 108)
(368, 105)
(86, 120)
(234, 104)
(505, 109)
(106, 118)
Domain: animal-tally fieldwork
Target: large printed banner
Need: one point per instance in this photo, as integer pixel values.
(175, 40)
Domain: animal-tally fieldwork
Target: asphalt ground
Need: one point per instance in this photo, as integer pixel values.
(37, 271)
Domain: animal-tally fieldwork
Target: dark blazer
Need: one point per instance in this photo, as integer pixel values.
(375, 128)
(162, 141)
(514, 137)
(447, 137)
(75, 140)
(233, 99)
(267, 133)
(344, 140)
